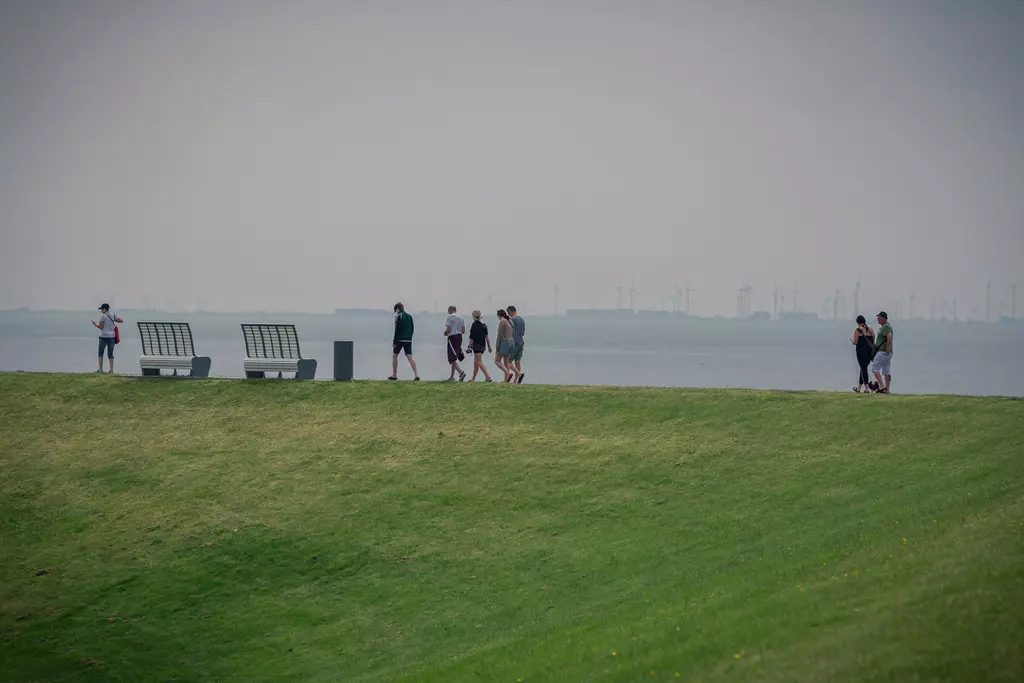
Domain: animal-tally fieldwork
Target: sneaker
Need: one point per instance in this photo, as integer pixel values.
(462, 377)
(98, 372)
(393, 379)
(521, 378)
(415, 379)
(488, 380)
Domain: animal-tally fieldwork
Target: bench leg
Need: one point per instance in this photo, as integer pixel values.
(306, 369)
(201, 366)
(255, 374)
(150, 372)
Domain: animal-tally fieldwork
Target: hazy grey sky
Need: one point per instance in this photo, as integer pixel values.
(313, 155)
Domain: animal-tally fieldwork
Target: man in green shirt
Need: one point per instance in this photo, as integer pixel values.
(402, 342)
(882, 364)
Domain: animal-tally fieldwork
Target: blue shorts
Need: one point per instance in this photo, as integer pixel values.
(107, 342)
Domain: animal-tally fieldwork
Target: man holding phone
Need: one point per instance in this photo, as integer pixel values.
(107, 325)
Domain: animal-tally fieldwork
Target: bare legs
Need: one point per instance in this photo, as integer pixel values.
(478, 365)
(503, 364)
(512, 371)
(394, 365)
(883, 385)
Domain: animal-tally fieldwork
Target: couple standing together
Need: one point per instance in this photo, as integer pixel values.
(510, 341)
(874, 350)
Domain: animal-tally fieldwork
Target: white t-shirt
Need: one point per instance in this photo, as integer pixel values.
(109, 320)
(455, 323)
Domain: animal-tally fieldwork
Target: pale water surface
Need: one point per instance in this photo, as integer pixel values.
(929, 357)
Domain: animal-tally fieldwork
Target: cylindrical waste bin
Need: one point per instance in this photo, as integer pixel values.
(343, 360)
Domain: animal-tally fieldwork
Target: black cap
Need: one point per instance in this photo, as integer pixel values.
(103, 306)
(883, 314)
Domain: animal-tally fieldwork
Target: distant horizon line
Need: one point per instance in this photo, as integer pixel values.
(578, 313)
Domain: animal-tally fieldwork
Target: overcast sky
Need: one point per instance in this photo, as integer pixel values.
(252, 154)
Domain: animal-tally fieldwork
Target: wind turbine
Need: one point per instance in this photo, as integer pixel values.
(988, 292)
(775, 302)
(688, 290)
(632, 292)
(555, 288)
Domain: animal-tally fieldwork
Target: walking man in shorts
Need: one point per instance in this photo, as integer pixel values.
(454, 328)
(402, 342)
(106, 325)
(882, 364)
(518, 342)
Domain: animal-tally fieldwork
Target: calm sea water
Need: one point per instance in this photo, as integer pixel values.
(929, 357)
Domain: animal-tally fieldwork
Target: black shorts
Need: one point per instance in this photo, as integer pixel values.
(403, 346)
(107, 342)
(478, 349)
(455, 348)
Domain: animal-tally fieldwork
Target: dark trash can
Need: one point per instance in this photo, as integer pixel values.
(343, 360)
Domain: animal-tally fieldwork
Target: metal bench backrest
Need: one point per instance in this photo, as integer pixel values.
(271, 341)
(166, 339)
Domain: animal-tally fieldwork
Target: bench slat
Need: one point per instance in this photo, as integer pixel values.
(271, 341)
(166, 339)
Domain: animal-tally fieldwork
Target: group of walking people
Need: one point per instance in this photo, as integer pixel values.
(874, 354)
(508, 348)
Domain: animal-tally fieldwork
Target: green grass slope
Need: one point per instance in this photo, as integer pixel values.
(286, 531)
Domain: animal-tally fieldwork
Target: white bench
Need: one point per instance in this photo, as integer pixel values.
(168, 346)
(274, 348)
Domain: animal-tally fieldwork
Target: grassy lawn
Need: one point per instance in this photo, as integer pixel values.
(286, 531)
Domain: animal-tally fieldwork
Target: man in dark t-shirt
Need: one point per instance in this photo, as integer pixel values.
(518, 342)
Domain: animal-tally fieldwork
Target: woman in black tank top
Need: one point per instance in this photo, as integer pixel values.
(864, 341)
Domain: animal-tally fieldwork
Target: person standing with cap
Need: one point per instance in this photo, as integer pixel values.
(882, 363)
(107, 325)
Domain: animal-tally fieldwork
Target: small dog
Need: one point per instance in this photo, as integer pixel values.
(873, 386)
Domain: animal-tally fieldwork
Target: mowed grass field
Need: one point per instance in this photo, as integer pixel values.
(217, 530)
